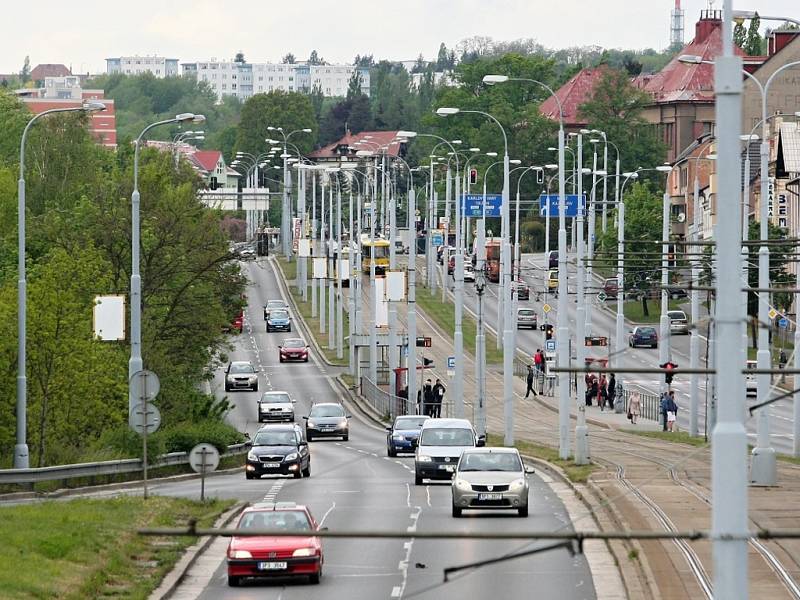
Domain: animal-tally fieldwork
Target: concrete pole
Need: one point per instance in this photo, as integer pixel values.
(796, 398)
(480, 337)
(588, 270)
(581, 431)
(303, 227)
(285, 208)
(351, 296)
(664, 342)
(694, 341)
(357, 293)
(314, 244)
(458, 336)
(562, 335)
(729, 443)
(605, 185)
(323, 252)
(373, 292)
(620, 321)
(412, 302)
(331, 268)
(394, 357)
(339, 293)
(763, 465)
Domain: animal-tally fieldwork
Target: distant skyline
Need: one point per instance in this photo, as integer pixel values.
(83, 36)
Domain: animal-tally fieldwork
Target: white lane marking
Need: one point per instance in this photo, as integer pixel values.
(396, 591)
(325, 516)
(408, 495)
(274, 490)
(428, 493)
(409, 545)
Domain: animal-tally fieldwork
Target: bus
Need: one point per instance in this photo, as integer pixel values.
(381, 255)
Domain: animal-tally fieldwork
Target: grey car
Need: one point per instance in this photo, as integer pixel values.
(276, 406)
(241, 375)
(327, 419)
(678, 323)
(490, 478)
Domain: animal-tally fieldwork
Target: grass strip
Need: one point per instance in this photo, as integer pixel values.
(289, 270)
(442, 313)
(678, 437)
(576, 473)
(89, 548)
(633, 310)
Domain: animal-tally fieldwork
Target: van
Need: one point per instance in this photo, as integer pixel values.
(440, 444)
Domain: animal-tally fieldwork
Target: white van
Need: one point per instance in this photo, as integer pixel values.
(440, 444)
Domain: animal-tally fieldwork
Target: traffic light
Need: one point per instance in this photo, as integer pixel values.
(473, 176)
(668, 375)
(548, 332)
(539, 175)
(427, 362)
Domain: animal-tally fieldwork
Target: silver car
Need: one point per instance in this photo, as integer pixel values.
(678, 323)
(490, 478)
(241, 375)
(276, 406)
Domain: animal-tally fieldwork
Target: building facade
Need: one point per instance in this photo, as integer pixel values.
(159, 66)
(102, 124)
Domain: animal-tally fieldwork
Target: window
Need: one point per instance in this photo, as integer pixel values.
(224, 86)
(233, 76)
(233, 86)
(261, 78)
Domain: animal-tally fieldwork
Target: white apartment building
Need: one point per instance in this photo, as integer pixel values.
(245, 79)
(159, 66)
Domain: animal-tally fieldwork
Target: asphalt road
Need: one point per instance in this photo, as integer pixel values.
(353, 485)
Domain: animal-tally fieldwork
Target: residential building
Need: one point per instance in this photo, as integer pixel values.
(440, 78)
(209, 164)
(245, 79)
(345, 148)
(158, 66)
(577, 91)
(40, 72)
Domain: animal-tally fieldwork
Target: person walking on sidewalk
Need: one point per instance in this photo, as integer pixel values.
(538, 360)
(663, 408)
(529, 381)
(672, 411)
(634, 407)
(427, 398)
(602, 392)
(438, 398)
(612, 391)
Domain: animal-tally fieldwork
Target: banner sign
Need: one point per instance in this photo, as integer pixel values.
(571, 201)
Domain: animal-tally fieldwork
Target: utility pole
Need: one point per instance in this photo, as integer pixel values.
(373, 331)
(325, 248)
(458, 337)
(314, 243)
(581, 432)
(340, 279)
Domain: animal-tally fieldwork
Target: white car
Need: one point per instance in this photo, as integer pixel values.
(751, 384)
(276, 406)
(469, 273)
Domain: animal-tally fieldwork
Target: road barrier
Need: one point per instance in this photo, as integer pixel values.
(99, 469)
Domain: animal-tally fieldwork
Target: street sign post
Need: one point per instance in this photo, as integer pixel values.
(144, 418)
(203, 458)
(546, 308)
(602, 296)
(783, 322)
(451, 366)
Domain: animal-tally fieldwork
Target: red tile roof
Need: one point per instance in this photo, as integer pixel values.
(206, 159)
(376, 140)
(572, 95)
(49, 70)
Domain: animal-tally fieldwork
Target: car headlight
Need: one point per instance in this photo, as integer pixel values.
(291, 457)
(397, 436)
(517, 484)
(342, 424)
(462, 484)
(311, 423)
(253, 377)
(252, 456)
(423, 458)
(239, 554)
(305, 552)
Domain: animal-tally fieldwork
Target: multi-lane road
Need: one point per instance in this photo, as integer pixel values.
(355, 486)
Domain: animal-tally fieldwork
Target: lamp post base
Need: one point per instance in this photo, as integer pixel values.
(763, 468)
(581, 445)
(21, 456)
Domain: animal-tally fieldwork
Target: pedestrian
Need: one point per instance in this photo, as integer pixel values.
(403, 409)
(427, 398)
(612, 391)
(672, 411)
(593, 391)
(538, 359)
(663, 408)
(602, 391)
(529, 381)
(419, 403)
(634, 407)
(438, 398)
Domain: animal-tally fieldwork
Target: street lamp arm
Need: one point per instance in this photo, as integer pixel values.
(552, 93)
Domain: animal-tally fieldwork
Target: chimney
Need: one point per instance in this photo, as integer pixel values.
(709, 21)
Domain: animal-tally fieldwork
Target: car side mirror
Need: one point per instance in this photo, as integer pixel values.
(294, 401)
(414, 443)
(302, 443)
(322, 529)
(349, 417)
(481, 441)
(306, 418)
(529, 470)
(388, 429)
(280, 347)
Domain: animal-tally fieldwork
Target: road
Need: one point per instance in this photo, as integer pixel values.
(355, 486)
(604, 323)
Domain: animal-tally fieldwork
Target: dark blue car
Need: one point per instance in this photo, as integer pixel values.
(643, 336)
(402, 436)
(279, 320)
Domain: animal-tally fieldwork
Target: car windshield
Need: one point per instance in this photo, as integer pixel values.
(288, 520)
(275, 438)
(409, 422)
(676, 314)
(331, 410)
(279, 314)
(526, 312)
(276, 304)
(490, 461)
(242, 368)
(274, 398)
(294, 343)
(447, 437)
(646, 331)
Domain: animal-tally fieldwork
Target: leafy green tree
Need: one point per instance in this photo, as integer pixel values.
(739, 34)
(25, 73)
(354, 85)
(317, 98)
(289, 110)
(288, 59)
(351, 114)
(315, 59)
(364, 61)
(239, 58)
(753, 43)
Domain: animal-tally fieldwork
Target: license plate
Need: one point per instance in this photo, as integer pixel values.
(490, 496)
(271, 465)
(271, 566)
(448, 467)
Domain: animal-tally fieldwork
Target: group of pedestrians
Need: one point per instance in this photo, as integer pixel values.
(535, 372)
(601, 391)
(669, 411)
(430, 398)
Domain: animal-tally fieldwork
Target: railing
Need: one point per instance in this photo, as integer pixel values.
(650, 404)
(389, 406)
(99, 469)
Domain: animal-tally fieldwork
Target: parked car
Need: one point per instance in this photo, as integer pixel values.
(293, 349)
(441, 442)
(274, 304)
(327, 419)
(279, 320)
(276, 406)
(678, 322)
(527, 317)
(643, 336)
(402, 435)
(552, 259)
(256, 556)
(522, 290)
(278, 449)
(241, 375)
(490, 478)
(469, 272)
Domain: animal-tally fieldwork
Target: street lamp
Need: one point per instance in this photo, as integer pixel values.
(480, 352)
(664, 342)
(21, 458)
(135, 362)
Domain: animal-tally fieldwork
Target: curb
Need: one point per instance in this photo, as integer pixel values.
(173, 579)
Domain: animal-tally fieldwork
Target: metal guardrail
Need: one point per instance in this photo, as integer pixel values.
(99, 469)
(388, 405)
(650, 404)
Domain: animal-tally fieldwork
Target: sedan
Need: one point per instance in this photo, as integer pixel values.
(643, 336)
(274, 304)
(293, 349)
(278, 450)
(523, 291)
(279, 320)
(241, 375)
(327, 419)
(526, 317)
(490, 478)
(257, 556)
(403, 434)
(469, 272)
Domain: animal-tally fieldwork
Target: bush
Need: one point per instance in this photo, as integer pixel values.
(123, 442)
(183, 437)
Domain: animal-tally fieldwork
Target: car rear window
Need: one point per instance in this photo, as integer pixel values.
(526, 312)
(647, 330)
(676, 314)
(288, 520)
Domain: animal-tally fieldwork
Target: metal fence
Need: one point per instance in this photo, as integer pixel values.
(650, 403)
(389, 406)
(99, 469)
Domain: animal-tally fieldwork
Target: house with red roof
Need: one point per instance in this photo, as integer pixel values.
(572, 95)
(346, 147)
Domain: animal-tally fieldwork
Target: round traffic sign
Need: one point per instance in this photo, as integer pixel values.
(144, 385)
(204, 458)
(139, 420)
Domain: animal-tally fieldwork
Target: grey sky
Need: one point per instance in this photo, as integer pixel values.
(84, 34)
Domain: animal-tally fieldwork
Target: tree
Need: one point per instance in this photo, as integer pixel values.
(239, 58)
(315, 59)
(317, 98)
(25, 73)
(739, 34)
(288, 59)
(420, 65)
(364, 61)
(753, 43)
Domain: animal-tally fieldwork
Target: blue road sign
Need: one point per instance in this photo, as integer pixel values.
(783, 322)
(451, 362)
(550, 345)
(570, 199)
(472, 205)
(437, 238)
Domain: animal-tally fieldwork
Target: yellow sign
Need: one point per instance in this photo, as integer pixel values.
(772, 313)
(547, 308)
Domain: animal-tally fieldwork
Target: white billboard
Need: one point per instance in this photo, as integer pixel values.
(396, 286)
(109, 318)
(304, 248)
(381, 306)
(320, 270)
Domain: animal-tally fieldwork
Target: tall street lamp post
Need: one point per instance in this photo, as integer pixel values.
(480, 352)
(619, 335)
(21, 457)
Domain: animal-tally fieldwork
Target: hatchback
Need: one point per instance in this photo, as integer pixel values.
(678, 323)
(526, 317)
(490, 478)
(643, 336)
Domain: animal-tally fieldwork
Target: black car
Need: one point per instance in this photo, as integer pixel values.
(278, 450)
(327, 419)
(552, 259)
(403, 434)
(643, 336)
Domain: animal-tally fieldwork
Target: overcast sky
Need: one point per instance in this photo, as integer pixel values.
(83, 34)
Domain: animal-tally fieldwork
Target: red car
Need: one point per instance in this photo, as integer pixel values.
(293, 349)
(257, 556)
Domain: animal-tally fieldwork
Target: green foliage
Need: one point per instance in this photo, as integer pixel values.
(739, 34)
(289, 110)
(780, 256)
(351, 114)
(25, 73)
(186, 436)
(753, 44)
